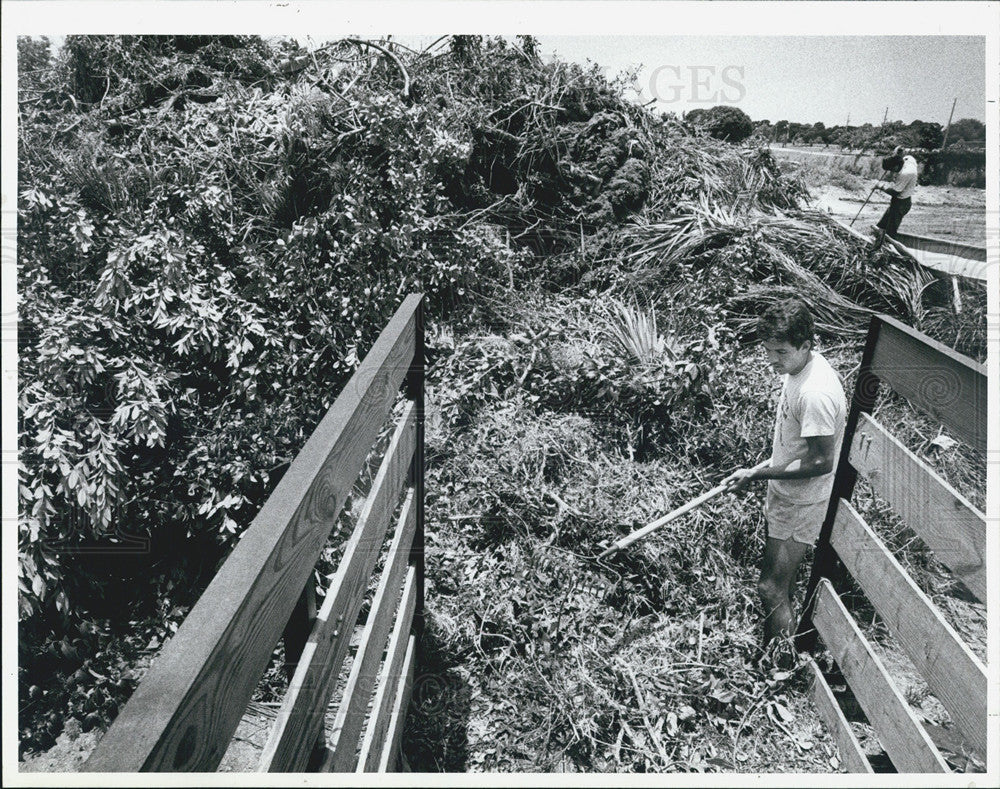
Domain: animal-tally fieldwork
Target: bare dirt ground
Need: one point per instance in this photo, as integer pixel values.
(938, 211)
(836, 186)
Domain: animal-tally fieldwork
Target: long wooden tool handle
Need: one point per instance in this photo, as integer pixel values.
(638, 534)
(867, 199)
(863, 205)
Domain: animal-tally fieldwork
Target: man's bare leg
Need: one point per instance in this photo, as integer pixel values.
(778, 571)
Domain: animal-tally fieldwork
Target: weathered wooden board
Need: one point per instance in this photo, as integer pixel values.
(300, 717)
(415, 392)
(342, 742)
(946, 385)
(944, 519)
(952, 672)
(942, 246)
(183, 714)
(389, 757)
(950, 257)
(897, 728)
(389, 680)
(851, 753)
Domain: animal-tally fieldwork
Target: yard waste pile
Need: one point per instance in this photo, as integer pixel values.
(211, 233)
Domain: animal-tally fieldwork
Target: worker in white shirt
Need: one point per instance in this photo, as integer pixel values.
(904, 170)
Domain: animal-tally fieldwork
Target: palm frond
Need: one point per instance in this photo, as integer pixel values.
(634, 330)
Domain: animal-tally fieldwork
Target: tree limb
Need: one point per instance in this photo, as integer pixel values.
(392, 56)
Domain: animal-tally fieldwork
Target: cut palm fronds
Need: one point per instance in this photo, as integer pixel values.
(635, 332)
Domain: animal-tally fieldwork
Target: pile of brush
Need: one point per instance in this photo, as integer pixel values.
(744, 259)
(558, 160)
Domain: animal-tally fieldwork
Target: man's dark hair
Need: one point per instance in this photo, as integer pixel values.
(788, 320)
(893, 163)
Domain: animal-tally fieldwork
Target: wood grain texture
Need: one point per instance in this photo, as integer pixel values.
(952, 672)
(851, 754)
(935, 379)
(944, 519)
(342, 742)
(389, 757)
(183, 714)
(300, 717)
(389, 679)
(898, 730)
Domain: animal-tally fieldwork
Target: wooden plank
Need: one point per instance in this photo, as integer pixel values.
(952, 672)
(946, 385)
(941, 246)
(950, 525)
(938, 254)
(389, 679)
(898, 730)
(397, 717)
(184, 713)
(948, 265)
(300, 718)
(851, 754)
(342, 742)
(868, 240)
(415, 391)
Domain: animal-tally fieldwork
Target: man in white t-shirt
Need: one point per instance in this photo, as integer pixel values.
(808, 430)
(904, 169)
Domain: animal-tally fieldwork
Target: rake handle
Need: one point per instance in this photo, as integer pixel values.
(638, 534)
(863, 205)
(867, 199)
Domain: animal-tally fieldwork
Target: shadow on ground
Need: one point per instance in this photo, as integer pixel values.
(435, 737)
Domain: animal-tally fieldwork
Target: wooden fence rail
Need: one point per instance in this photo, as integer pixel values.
(944, 255)
(952, 389)
(183, 715)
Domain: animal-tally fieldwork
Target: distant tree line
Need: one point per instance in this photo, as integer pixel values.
(732, 124)
(918, 134)
(958, 161)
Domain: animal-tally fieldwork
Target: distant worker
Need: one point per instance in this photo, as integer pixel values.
(904, 169)
(808, 429)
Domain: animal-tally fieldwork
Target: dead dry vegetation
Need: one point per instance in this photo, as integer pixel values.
(593, 272)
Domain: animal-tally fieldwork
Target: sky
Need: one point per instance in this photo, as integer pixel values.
(799, 78)
(796, 78)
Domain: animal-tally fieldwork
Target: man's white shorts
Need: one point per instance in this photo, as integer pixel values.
(787, 519)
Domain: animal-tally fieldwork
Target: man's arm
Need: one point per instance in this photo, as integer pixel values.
(895, 188)
(818, 460)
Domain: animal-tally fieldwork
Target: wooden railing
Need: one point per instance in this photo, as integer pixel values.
(184, 713)
(952, 389)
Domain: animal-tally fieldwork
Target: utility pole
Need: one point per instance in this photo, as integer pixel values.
(948, 127)
(885, 117)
